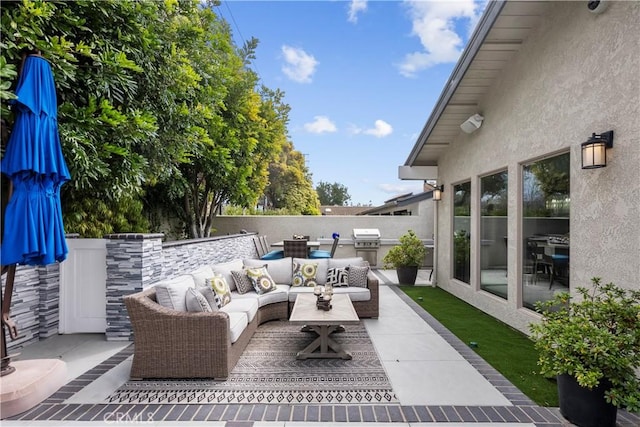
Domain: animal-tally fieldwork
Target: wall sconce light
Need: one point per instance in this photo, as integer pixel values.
(472, 124)
(437, 193)
(594, 151)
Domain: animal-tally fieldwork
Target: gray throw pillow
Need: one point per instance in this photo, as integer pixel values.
(358, 276)
(196, 302)
(242, 281)
(210, 296)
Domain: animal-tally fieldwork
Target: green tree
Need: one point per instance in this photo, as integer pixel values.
(157, 104)
(290, 184)
(334, 194)
(553, 175)
(101, 124)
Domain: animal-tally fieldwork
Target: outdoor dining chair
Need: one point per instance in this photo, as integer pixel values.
(318, 254)
(296, 248)
(559, 261)
(267, 254)
(537, 261)
(259, 248)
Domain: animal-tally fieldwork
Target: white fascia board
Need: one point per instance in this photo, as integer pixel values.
(418, 172)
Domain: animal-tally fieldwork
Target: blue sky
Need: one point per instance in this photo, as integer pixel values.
(361, 78)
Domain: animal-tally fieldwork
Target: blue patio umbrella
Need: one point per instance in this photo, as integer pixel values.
(33, 228)
(33, 161)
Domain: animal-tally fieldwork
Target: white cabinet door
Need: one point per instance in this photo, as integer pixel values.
(83, 278)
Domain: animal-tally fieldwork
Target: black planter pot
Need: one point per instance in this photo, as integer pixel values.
(584, 407)
(407, 275)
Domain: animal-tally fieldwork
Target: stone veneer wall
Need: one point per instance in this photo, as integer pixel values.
(49, 313)
(138, 261)
(34, 304)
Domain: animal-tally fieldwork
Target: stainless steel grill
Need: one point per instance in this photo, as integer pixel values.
(366, 238)
(367, 242)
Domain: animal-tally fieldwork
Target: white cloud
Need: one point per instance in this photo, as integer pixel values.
(380, 130)
(299, 65)
(320, 124)
(354, 130)
(355, 7)
(434, 24)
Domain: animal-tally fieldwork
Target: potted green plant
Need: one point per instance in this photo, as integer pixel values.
(591, 342)
(406, 257)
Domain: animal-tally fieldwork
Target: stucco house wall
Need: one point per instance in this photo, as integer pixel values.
(577, 73)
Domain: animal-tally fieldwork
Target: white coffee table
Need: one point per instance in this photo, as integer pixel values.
(323, 323)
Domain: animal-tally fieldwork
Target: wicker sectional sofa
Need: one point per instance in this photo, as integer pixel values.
(174, 343)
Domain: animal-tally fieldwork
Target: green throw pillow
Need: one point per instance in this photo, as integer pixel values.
(304, 274)
(261, 280)
(221, 288)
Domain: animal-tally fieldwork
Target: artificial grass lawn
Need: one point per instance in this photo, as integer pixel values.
(509, 351)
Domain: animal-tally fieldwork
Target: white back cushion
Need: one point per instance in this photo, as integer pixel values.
(172, 293)
(345, 262)
(224, 269)
(280, 270)
(201, 275)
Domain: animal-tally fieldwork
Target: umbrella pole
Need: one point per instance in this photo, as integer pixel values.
(6, 368)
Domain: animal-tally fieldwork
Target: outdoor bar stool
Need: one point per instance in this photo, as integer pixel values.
(319, 254)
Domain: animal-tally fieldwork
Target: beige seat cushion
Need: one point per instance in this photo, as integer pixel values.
(297, 290)
(237, 323)
(242, 305)
(355, 293)
(281, 294)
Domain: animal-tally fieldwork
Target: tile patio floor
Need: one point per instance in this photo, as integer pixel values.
(437, 378)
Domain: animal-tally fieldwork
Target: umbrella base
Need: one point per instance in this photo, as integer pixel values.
(6, 368)
(31, 383)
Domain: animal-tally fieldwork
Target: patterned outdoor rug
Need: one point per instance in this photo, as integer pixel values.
(269, 373)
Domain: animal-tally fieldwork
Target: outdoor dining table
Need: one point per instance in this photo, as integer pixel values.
(310, 244)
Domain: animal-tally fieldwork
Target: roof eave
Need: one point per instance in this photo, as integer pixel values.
(485, 24)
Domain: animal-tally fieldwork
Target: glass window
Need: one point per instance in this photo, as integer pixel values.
(545, 224)
(493, 229)
(462, 231)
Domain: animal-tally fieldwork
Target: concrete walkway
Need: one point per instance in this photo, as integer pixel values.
(424, 369)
